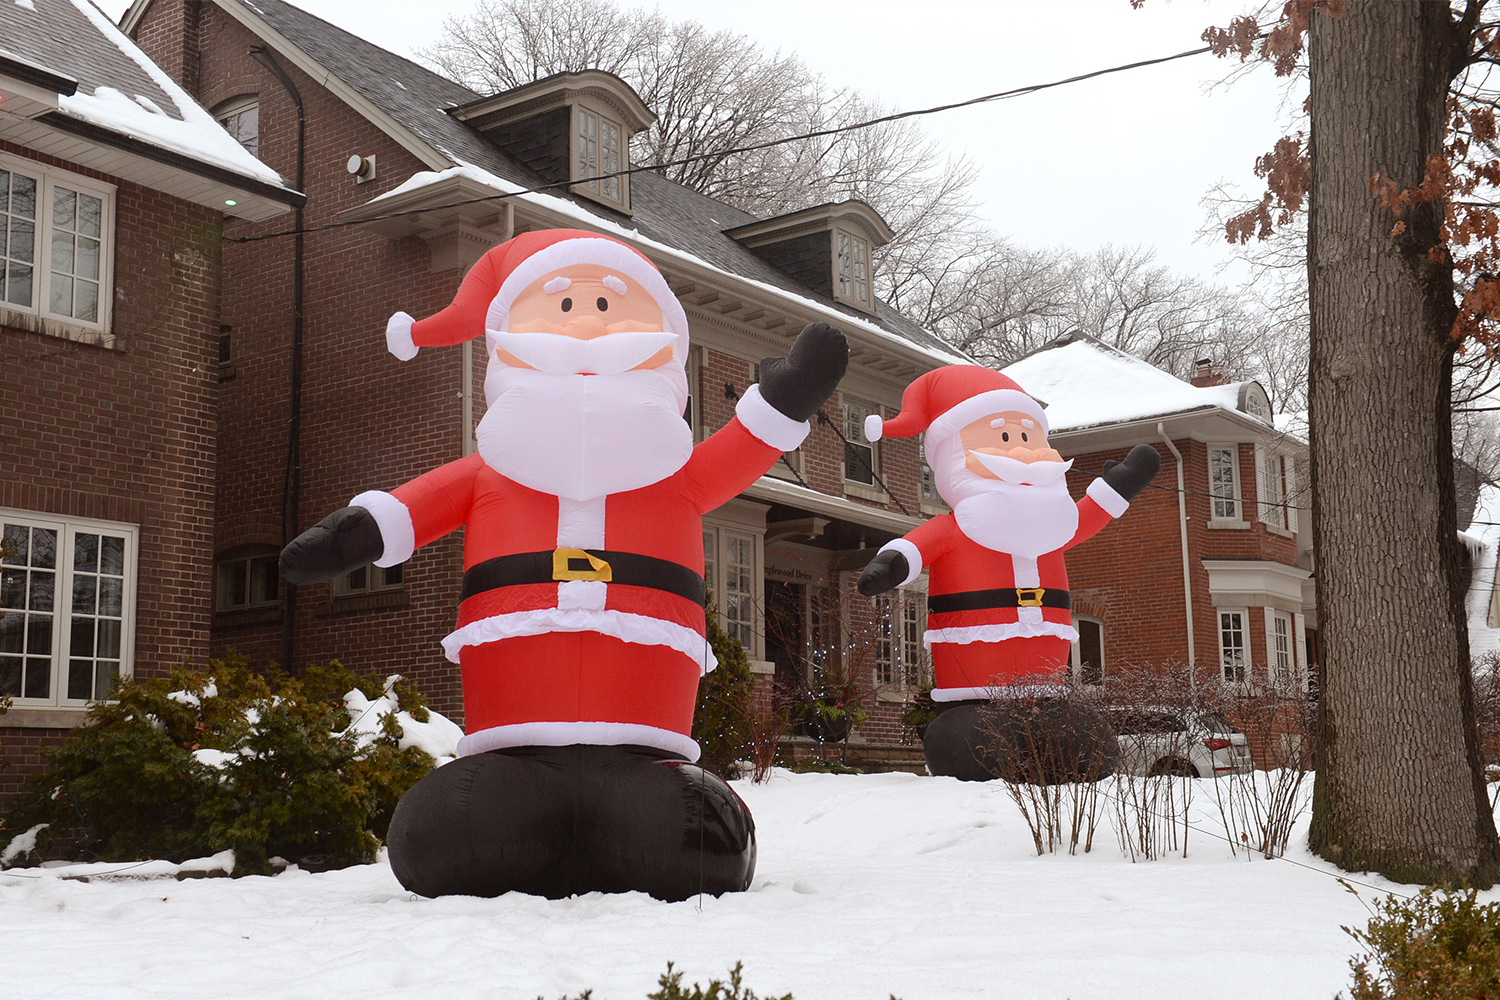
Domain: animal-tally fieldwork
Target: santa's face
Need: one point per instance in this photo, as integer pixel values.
(1005, 485)
(586, 388)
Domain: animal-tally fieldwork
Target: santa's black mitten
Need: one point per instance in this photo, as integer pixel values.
(886, 572)
(343, 541)
(799, 383)
(1129, 477)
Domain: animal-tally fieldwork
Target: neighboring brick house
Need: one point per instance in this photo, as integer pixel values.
(1212, 565)
(406, 170)
(113, 189)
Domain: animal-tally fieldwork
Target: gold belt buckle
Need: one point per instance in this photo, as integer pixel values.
(1034, 601)
(561, 570)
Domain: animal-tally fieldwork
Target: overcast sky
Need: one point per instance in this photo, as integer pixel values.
(1125, 159)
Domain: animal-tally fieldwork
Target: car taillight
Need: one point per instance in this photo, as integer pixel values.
(1216, 743)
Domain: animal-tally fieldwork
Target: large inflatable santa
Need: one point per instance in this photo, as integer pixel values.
(999, 625)
(581, 634)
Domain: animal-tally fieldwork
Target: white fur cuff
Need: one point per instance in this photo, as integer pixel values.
(911, 554)
(398, 336)
(768, 423)
(395, 525)
(1105, 496)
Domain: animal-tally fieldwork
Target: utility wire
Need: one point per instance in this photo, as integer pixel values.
(719, 154)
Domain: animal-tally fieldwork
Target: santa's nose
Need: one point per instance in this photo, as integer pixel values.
(586, 327)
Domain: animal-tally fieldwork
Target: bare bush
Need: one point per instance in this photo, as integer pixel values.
(1259, 806)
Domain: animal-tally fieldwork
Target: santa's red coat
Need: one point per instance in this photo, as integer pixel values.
(582, 661)
(974, 652)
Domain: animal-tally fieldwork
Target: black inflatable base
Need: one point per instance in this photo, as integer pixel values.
(1039, 741)
(559, 821)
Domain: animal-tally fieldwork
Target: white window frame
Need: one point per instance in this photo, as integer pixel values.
(1075, 660)
(1281, 675)
(1246, 657)
(68, 529)
(238, 106)
(715, 535)
(854, 412)
(1235, 518)
(1275, 484)
(586, 168)
(905, 664)
(375, 580)
(849, 284)
(48, 179)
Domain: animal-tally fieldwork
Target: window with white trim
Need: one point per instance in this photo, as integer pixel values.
(368, 580)
(899, 656)
(245, 579)
(1279, 646)
(240, 117)
(1234, 645)
(600, 150)
(853, 267)
(861, 457)
(1088, 651)
(928, 488)
(67, 608)
(1224, 482)
(731, 575)
(1276, 482)
(56, 243)
(886, 655)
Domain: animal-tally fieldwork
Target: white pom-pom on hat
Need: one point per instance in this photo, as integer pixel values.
(874, 425)
(398, 336)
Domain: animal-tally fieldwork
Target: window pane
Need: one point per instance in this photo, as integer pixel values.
(42, 586)
(62, 253)
(109, 596)
(81, 642)
(18, 543)
(64, 203)
(80, 679)
(10, 676)
(90, 215)
(23, 196)
(356, 579)
(86, 301)
(87, 251)
(112, 555)
(86, 553)
(12, 638)
(109, 639)
(18, 284)
(263, 580)
(38, 678)
(22, 243)
(39, 635)
(13, 589)
(106, 676)
(85, 594)
(62, 295)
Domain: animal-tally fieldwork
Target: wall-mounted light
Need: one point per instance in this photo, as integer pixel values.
(230, 202)
(362, 167)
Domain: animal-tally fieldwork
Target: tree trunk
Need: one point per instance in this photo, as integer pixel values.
(1399, 786)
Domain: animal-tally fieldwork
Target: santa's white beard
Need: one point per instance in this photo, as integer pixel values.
(1026, 521)
(585, 436)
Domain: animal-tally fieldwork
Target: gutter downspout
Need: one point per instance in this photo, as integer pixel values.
(1187, 581)
(466, 391)
(291, 490)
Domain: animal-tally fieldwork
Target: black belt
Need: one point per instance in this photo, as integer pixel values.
(1009, 597)
(584, 564)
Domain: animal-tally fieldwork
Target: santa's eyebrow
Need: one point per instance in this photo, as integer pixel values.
(557, 284)
(614, 284)
(1028, 424)
(998, 422)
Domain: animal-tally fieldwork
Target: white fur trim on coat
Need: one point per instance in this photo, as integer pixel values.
(566, 734)
(971, 409)
(910, 553)
(874, 427)
(1105, 496)
(988, 693)
(398, 336)
(622, 625)
(768, 423)
(394, 521)
(998, 632)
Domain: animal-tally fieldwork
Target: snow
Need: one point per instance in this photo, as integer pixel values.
(867, 885)
(1086, 384)
(195, 134)
(438, 737)
(562, 206)
(21, 844)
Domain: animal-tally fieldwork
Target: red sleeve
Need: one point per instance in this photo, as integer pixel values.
(1091, 519)
(934, 538)
(440, 500)
(723, 466)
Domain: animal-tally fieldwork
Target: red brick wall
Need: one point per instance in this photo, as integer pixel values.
(128, 435)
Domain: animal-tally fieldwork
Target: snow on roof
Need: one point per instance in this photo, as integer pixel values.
(1293, 423)
(1087, 384)
(120, 88)
(562, 206)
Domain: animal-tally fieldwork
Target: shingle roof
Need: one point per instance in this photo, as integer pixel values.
(664, 210)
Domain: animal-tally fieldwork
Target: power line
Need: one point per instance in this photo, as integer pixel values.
(753, 147)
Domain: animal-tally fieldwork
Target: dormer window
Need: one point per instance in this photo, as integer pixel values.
(571, 128)
(853, 268)
(240, 117)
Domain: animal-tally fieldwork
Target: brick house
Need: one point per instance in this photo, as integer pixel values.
(114, 184)
(405, 174)
(1212, 565)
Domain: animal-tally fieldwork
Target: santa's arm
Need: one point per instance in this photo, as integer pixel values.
(770, 418)
(900, 562)
(1109, 496)
(383, 528)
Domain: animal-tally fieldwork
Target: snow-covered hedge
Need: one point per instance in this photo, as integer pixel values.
(226, 758)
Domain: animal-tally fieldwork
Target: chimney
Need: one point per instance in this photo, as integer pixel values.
(1208, 373)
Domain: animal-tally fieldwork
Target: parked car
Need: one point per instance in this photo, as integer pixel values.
(1183, 742)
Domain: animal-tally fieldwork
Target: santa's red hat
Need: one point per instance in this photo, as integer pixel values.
(945, 400)
(484, 299)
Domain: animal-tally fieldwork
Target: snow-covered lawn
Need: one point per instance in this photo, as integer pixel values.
(867, 885)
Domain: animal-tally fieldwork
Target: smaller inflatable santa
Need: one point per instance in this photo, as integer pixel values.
(581, 632)
(999, 625)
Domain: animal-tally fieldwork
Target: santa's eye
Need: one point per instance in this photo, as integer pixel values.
(1004, 436)
(567, 305)
(1024, 437)
(603, 304)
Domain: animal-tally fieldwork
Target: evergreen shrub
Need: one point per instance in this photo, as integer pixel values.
(1439, 945)
(721, 719)
(228, 758)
